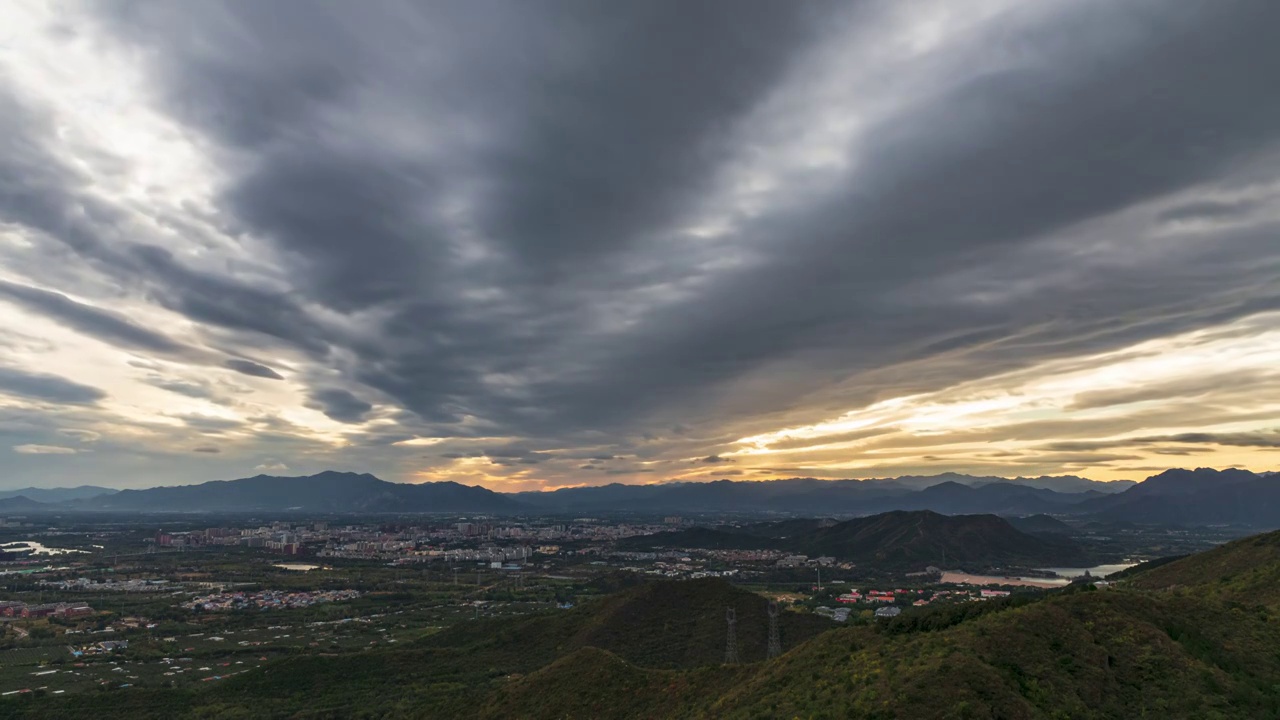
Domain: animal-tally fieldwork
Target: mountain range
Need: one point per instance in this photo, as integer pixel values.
(948, 492)
(57, 495)
(331, 492)
(1178, 496)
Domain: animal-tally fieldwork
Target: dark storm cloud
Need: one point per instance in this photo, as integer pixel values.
(515, 454)
(188, 388)
(206, 449)
(555, 186)
(89, 320)
(40, 191)
(1208, 210)
(1259, 439)
(477, 187)
(1264, 439)
(209, 424)
(340, 405)
(715, 459)
(51, 388)
(248, 367)
(1018, 156)
(1193, 387)
(226, 302)
(623, 142)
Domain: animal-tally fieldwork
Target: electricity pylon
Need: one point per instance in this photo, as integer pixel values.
(775, 642)
(731, 645)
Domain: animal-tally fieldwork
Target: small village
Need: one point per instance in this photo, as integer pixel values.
(267, 600)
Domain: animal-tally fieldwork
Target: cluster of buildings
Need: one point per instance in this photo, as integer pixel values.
(871, 596)
(453, 541)
(369, 549)
(916, 597)
(281, 538)
(83, 584)
(841, 614)
(805, 561)
(837, 614)
(267, 600)
(18, 609)
(681, 570)
(106, 647)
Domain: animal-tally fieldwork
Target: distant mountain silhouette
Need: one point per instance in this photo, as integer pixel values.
(1177, 496)
(57, 495)
(1188, 482)
(324, 492)
(948, 493)
(1056, 483)
(1041, 525)
(20, 503)
(1193, 497)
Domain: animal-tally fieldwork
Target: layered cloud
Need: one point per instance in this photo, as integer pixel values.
(565, 243)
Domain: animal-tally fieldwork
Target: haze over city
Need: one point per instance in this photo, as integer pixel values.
(524, 249)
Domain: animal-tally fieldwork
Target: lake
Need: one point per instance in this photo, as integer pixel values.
(1064, 576)
(1096, 571)
(38, 549)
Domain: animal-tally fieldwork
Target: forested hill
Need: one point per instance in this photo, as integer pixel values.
(898, 539)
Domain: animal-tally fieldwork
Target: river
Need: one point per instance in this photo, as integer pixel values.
(1064, 576)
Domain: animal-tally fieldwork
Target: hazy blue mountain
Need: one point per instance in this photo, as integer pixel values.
(1056, 483)
(57, 495)
(811, 496)
(324, 492)
(1180, 496)
(1179, 481)
(1072, 484)
(1193, 497)
(1254, 503)
(1041, 525)
(20, 503)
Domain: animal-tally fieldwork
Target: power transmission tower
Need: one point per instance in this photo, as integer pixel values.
(775, 642)
(731, 645)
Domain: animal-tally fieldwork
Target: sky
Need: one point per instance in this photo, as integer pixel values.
(541, 244)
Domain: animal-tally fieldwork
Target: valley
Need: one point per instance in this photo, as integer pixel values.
(296, 614)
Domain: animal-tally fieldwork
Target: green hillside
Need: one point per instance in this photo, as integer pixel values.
(1245, 571)
(597, 684)
(1115, 653)
(1088, 655)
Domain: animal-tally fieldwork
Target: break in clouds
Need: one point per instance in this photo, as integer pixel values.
(542, 244)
